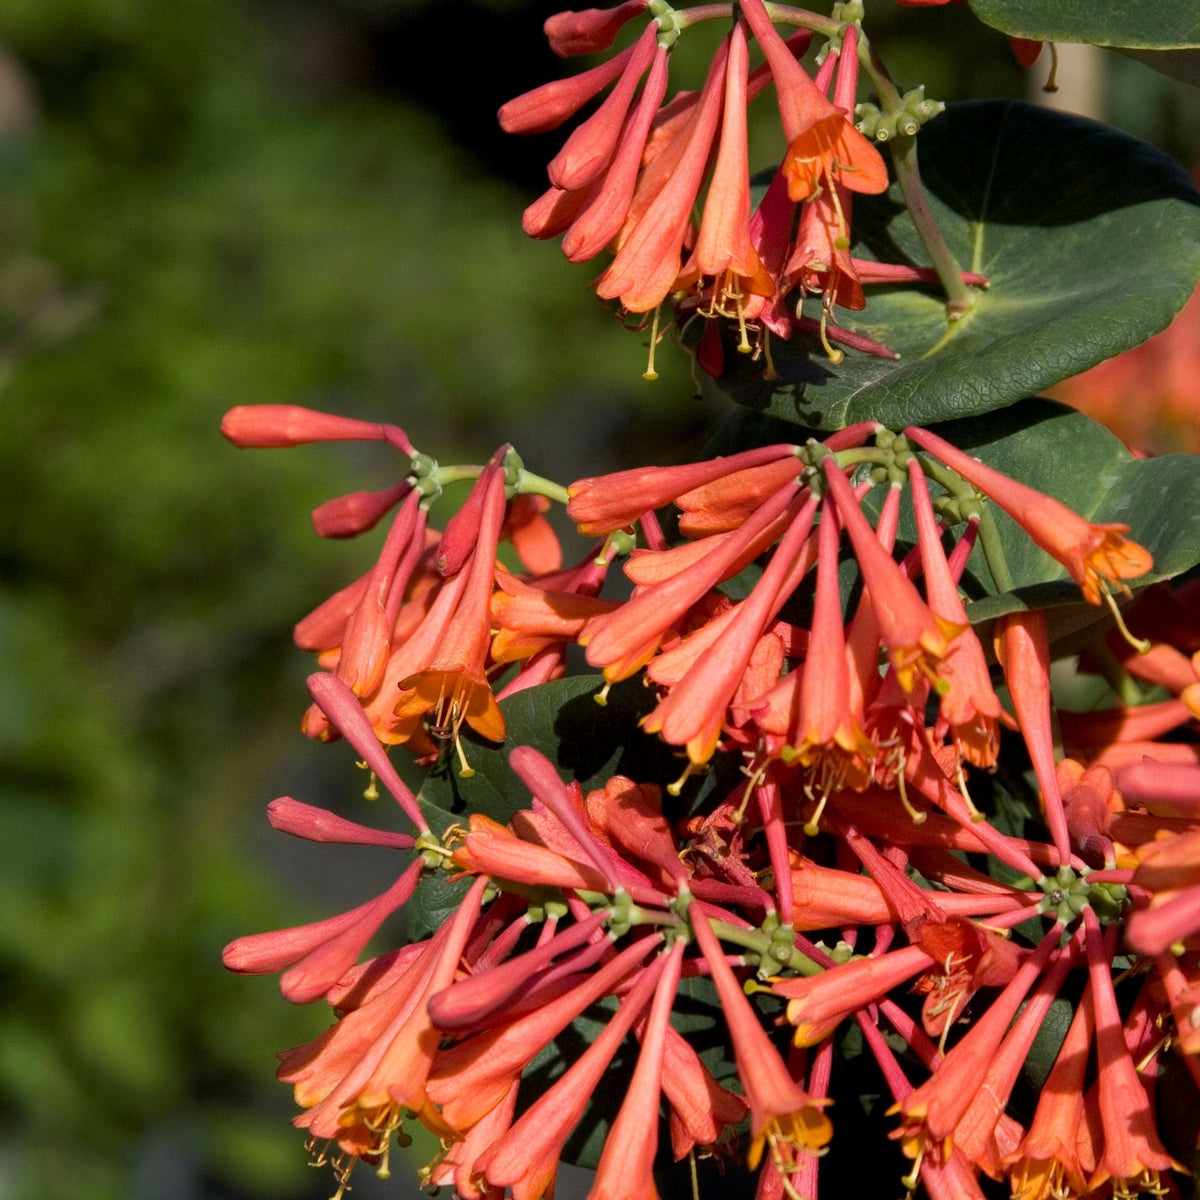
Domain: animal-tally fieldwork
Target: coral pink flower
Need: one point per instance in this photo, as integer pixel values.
(626, 1166)
(366, 639)
(969, 705)
(590, 30)
(470, 1078)
(604, 503)
(1094, 555)
(817, 1004)
(827, 731)
(624, 641)
(1047, 1164)
(589, 149)
(1023, 648)
(649, 258)
(1168, 868)
(548, 106)
(1132, 1153)
(782, 1114)
(693, 713)
(318, 955)
(610, 195)
(527, 1159)
(824, 148)
(915, 637)
(493, 849)
(280, 425)
(454, 686)
(701, 1109)
(724, 253)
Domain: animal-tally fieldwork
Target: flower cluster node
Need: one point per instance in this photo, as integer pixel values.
(904, 120)
(1066, 894)
(846, 870)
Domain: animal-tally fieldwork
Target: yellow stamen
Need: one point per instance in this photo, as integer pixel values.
(650, 374)
(1052, 81)
(1141, 645)
(835, 355)
(770, 373)
(688, 771)
(465, 770)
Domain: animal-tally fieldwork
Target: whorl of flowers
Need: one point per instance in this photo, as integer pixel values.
(847, 873)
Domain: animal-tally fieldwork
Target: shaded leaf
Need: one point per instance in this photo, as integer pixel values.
(1168, 24)
(1027, 197)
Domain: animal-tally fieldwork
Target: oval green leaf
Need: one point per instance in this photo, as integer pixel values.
(1091, 241)
(1164, 25)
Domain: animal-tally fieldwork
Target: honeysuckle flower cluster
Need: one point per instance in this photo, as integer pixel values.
(845, 877)
(665, 185)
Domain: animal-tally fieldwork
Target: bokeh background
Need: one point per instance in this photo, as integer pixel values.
(213, 202)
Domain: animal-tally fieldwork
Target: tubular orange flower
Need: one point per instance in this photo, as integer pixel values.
(470, 1078)
(1094, 555)
(454, 685)
(915, 638)
(527, 1159)
(724, 252)
(824, 148)
(590, 30)
(589, 149)
(693, 713)
(600, 219)
(603, 503)
(626, 1167)
(548, 106)
(782, 1114)
(827, 731)
(969, 705)
(1132, 1153)
(650, 254)
(625, 640)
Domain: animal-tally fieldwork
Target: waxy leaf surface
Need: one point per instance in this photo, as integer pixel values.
(1091, 242)
(1166, 24)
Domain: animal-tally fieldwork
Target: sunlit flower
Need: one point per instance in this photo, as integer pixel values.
(1094, 555)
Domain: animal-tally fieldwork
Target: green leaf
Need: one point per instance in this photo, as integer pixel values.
(1048, 1041)
(1167, 24)
(1091, 241)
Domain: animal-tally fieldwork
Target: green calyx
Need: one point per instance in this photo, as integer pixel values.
(669, 24)
(904, 120)
(1067, 893)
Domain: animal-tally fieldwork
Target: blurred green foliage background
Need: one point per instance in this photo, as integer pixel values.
(212, 202)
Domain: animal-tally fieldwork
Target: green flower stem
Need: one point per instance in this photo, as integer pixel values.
(953, 483)
(445, 475)
(751, 939)
(993, 551)
(652, 916)
(531, 484)
(702, 12)
(785, 14)
(1115, 675)
(864, 454)
(959, 297)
